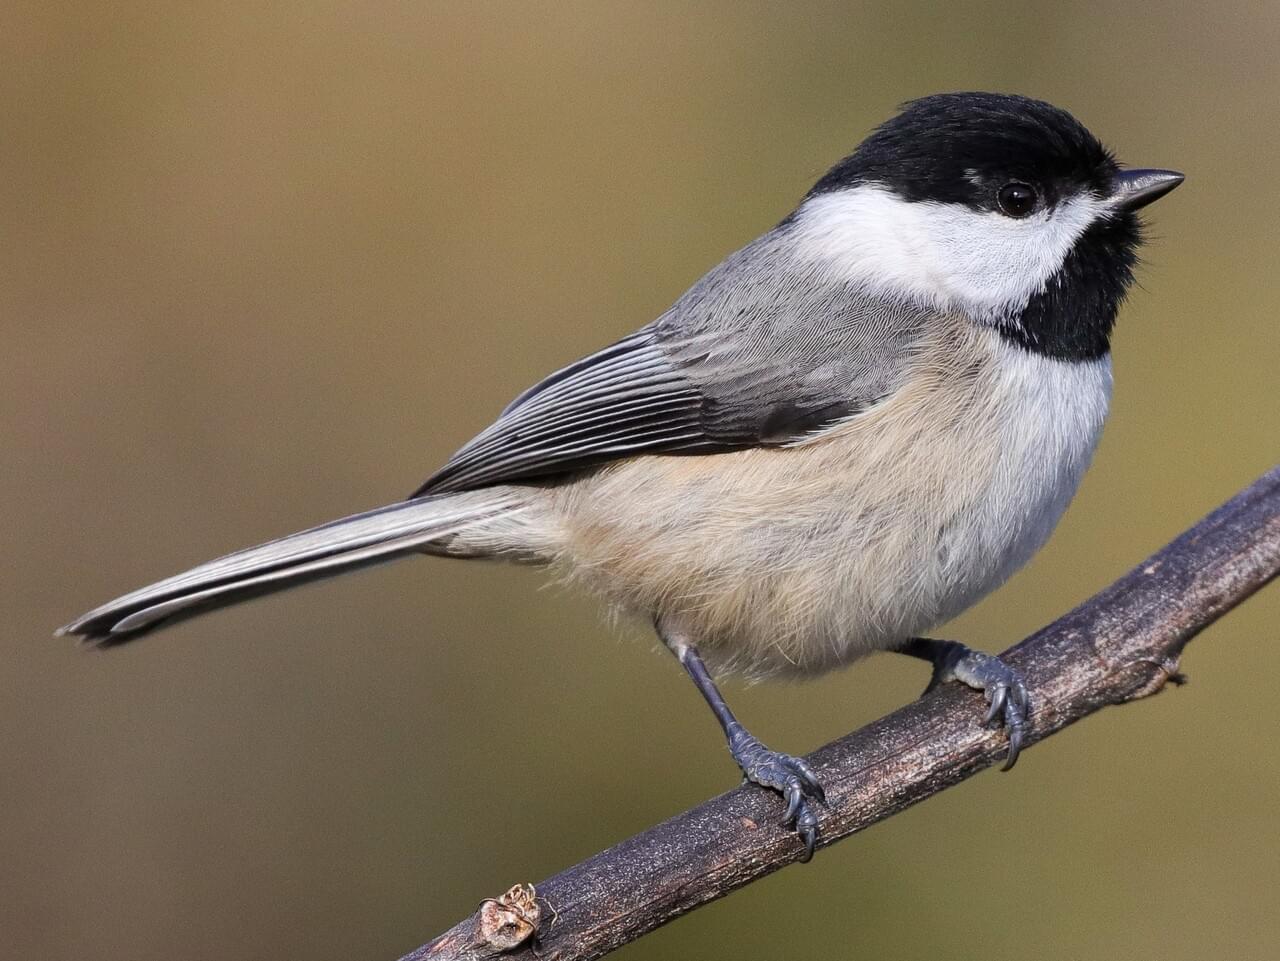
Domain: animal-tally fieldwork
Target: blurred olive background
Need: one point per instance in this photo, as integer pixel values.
(267, 264)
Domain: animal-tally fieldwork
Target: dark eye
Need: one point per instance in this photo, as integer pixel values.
(1017, 199)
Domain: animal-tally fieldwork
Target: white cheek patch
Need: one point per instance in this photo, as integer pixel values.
(946, 255)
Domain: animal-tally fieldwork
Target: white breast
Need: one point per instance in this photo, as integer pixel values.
(1052, 413)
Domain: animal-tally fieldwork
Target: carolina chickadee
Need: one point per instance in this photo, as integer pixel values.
(843, 435)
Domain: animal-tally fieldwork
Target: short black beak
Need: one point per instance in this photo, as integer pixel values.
(1134, 189)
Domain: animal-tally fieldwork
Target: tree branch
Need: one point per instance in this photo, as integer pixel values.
(1121, 644)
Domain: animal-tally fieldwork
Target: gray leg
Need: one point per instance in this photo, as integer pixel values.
(788, 775)
(1006, 693)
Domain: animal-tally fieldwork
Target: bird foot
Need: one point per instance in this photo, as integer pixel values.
(1009, 704)
(790, 776)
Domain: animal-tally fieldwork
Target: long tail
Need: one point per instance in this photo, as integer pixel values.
(334, 548)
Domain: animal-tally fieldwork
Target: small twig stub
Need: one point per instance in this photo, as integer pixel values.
(511, 920)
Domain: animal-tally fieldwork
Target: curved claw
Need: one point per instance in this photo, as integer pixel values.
(812, 786)
(807, 828)
(1015, 720)
(999, 697)
(795, 799)
(1015, 747)
(1010, 705)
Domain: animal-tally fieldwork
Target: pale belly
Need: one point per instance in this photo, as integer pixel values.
(800, 559)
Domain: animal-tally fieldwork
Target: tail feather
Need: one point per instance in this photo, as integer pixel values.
(342, 545)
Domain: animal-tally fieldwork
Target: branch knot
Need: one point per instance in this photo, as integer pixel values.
(1148, 676)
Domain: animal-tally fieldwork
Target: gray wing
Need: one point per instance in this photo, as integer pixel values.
(765, 350)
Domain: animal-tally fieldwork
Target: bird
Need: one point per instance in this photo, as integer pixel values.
(843, 435)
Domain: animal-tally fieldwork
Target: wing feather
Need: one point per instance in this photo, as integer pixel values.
(626, 399)
(765, 350)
